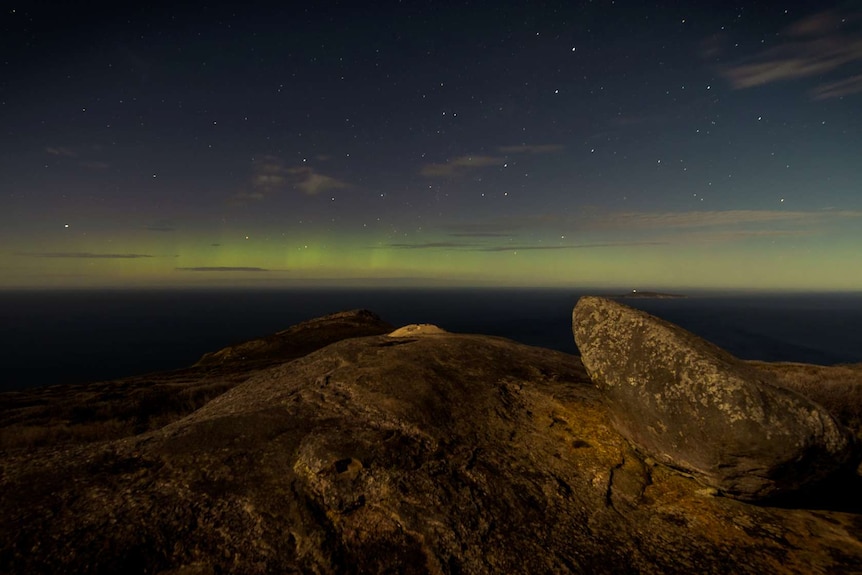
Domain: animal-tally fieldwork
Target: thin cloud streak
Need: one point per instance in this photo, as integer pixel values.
(534, 149)
(820, 44)
(454, 246)
(650, 228)
(271, 176)
(222, 269)
(86, 255)
(480, 235)
(244, 197)
(459, 166)
(428, 246)
(568, 247)
(504, 226)
(61, 151)
(666, 220)
(95, 165)
(312, 183)
(80, 155)
(465, 164)
(160, 227)
(841, 88)
(736, 235)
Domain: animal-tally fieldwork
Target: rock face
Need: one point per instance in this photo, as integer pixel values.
(442, 453)
(299, 339)
(97, 411)
(417, 329)
(693, 406)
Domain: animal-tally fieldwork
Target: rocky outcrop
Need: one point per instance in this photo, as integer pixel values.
(64, 414)
(417, 329)
(300, 339)
(426, 454)
(693, 406)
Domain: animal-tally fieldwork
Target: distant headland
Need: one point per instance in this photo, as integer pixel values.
(637, 294)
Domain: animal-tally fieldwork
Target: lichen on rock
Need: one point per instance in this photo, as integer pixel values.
(693, 406)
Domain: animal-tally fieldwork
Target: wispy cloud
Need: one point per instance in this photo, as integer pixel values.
(534, 247)
(160, 226)
(270, 175)
(706, 219)
(61, 151)
(711, 236)
(95, 165)
(311, 183)
(820, 44)
(472, 247)
(534, 149)
(222, 269)
(464, 165)
(501, 227)
(845, 87)
(480, 235)
(615, 229)
(246, 197)
(86, 255)
(459, 166)
(79, 154)
(428, 246)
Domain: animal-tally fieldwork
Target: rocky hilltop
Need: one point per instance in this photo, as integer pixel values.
(417, 452)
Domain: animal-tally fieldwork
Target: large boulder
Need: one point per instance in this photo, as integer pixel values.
(695, 407)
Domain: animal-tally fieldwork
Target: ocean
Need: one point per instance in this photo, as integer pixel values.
(54, 337)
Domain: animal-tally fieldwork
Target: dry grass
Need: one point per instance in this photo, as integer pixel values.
(838, 388)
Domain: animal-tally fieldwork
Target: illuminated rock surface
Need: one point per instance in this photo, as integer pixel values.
(693, 406)
(443, 454)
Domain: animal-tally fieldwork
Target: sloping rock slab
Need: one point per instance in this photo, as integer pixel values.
(693, 406)
(445, 454)
(299, 339)
(113, 409)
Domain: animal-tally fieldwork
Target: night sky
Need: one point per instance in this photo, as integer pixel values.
(646, 145)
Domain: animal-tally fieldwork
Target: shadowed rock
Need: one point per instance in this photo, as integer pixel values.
(112, 409)
(299, 339)
(693, 406)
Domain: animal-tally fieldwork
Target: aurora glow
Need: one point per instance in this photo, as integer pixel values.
(572, 144)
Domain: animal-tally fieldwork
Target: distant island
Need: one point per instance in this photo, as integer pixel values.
(635, 294)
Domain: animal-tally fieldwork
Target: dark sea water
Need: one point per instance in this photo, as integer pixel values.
(49, 337)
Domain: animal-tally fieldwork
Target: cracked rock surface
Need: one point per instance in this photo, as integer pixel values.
(693, 406)
(444, 454)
